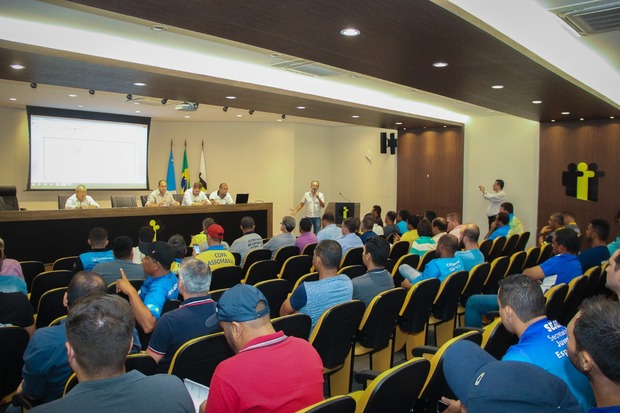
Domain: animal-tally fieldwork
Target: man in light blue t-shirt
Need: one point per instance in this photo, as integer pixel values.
(471, 255)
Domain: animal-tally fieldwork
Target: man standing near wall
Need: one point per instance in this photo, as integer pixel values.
(495, 199)
(314, 201)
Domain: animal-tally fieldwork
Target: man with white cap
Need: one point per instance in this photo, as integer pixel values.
(270, 372)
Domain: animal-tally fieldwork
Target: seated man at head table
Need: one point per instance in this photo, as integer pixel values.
(161, 196)
(195, 196)
(79, 200)
(221, 196)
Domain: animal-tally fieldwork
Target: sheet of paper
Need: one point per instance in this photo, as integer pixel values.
(198, 392)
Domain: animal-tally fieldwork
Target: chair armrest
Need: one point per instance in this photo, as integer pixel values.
(462, 330)
(364, 376)
(21, 400)
(421, 350)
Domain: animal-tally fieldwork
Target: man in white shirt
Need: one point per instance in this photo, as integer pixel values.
(495, 199)
(195, 196)
(330, 230)
(80, 200)
(221, 196)
(314, 201)
(161, 196)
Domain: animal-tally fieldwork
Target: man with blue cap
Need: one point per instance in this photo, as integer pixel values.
(270, 371)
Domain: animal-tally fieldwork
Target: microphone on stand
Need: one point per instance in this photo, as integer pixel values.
(344, 197)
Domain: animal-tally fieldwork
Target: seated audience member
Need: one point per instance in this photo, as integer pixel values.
(159, 286)
(377, 279)
(516, 227)
(79, 200)
(439, 228)
(454, 224)
(187, 322)
(499, 228)
(349, 238)
(330, 230)
(541, 341)
(307, 236)
(424, 242)
(561, 268)
(390, 227)
(615, 244)
(471, 255)
(556, 222)
(412, 229)
(430, 215)
(16, 310)
(613, 274)
(366, 231)
(285, 239)
(195, 196)
(177, 242)
(401, 221)
(313, 298)
(376, 214)
(99, 331)
(145, 235)
(249, 241)
(596, 233)
(110, 271)
(221, 196)
(161, 197)
(201, 238)
(46, 367)
(483, 384)
(440, 267)
(261, 352)
(216, 256)
(593, 348)
(569, 221)
(9, 266)
(13, 284)
(98, 241)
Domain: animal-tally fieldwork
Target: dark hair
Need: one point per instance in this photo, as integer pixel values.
(440, 223)
(305, 225)
(430, 215)
(500, 182)
(601, 227)
(122, 246)
(597, 331)
(379, 250)
(424, 228)
(449, 242)
(99, 329)
(392, 215)
(207, 222)
(377, 209)
(404, 214)
(97, 237)
(330, 253)
(569, 213)
(523, 295)
(178, 245)
(247, 223)
(146, 234)
(472, 232)
(503, 218)
(329, 217)
(557, 217)
(508, 207)
(368, 222)
(414, 220)
(567, 238)
(83, 284)
(352, 224)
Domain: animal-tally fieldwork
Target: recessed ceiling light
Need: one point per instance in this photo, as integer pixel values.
(186, 116)
(350, 32)
(301, 107)
(278, 120)
(355, 76)
(398, 123)
(272, 55)
(355, 116)
(565, 113)
(13, 99)
(139, 84)
(72, 96)
(581, 119)
(445, 126)
(612, 117)
(537, 102)
(136, 103)
(18, 67)
(239, 115)
(497, 86)
(159, 28)
(231, 97)
(552, 120)
(440, 64)
(137, 111)
(80, 106)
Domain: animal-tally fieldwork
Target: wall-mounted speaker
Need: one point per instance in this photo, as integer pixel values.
(383, 142)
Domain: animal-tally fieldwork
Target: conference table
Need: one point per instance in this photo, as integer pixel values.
(48, 235)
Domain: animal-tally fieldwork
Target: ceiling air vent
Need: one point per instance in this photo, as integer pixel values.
(306, 67)
(591, 17)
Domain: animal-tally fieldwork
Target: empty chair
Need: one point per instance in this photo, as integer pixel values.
(51, 306)
(515, 266)
(253, 256)
(284, 253)
(531, 259)
(294, 268)
(143, 199)
(399, 249)
(485, 248)
(311, 276)
(46, 281)
(262, 271)
(13, 342)
(31, 269)
(497, 248)
(522, 242)
(576, 292)
(498, 271)
(64, 263)
(511, 243)
(475, 285)
(178, 198)
(8, 198)
(118, 201)
(198, 358)
(555, 300)
(309, 249)
(546, 252)
(352, 257)
(443, 312)
(62, 200)
(353, 271)
(336, 404)
(275, 291)
(226, 277)
(296, 325)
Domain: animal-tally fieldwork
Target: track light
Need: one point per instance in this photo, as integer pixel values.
(283, 116)
(225, 108)
(129, 96)
(33, 85)
(164, 101)
(91, 92)
(251, 112)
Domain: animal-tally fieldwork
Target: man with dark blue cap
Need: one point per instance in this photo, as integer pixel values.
(484, 384)
(270, 372)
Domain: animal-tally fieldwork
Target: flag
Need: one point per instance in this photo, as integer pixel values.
(185, 171)
(172, 185)
(202, 175)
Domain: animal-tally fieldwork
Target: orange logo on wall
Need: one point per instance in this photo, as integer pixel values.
(581, 181)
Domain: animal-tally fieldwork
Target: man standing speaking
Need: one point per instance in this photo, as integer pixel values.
(314, 201)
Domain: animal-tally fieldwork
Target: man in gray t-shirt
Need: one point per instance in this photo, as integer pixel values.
(377, 279)
(249, 241)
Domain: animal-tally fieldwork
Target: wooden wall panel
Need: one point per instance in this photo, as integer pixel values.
(430, 170)
(574, 142)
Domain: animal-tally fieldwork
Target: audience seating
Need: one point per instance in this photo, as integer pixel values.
(495, 338)
(275, 291)
(428, 257)
(546, 252)
(332, 337)
(237, 258)
(226, 277)
(443, 312)
(497, 248)
(295, 267)
(399, 249)
(8, 198)
(352, 257)
(295, 325)
(555, 300)
(62, 200)
(511, 243)
(178, 197)
(576, 292)
(262, 271)
(309, 249)
(31, 269)
(475, 284)
(499, 266)
(522, 242)
(285, 253)
(485, 248)
(46, 281)
(413, 317)
(353, 271)
(170, 305)
(13, 342)
(216, 294)
(410, 259)
(336, 404)
(118, 201)
(198, 358)
(515, 266)
(64, 263)
(594, 275)
(259, 254)
(311, 276)
(532, 256)
(135, 283)
(51, 306)
(143, 199)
